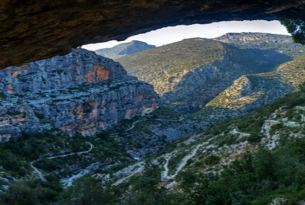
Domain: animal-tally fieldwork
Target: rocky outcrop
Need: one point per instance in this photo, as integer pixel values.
(124, 49)
(279, 201)
(34, 30)
(80, 92)
(250, 92)
(253, 91)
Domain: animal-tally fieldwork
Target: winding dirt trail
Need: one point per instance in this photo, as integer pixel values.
(40, 174)
(37, 171)
(266, 128)
(129, 172)
(165, 174)
(158, 119)
(133, 125)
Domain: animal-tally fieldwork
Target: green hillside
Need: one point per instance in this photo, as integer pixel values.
(190, 73)
(252, 91)
(264, 41)
(124, 49)
(251, 160)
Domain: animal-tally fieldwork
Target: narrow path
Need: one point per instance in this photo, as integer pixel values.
(165, 176)
(168, 120)
(158, 119)
(66, 182)
(266, 128)
(133, 125)
(40, 174)
(129, 172)
(243, 134)
(75, 153)
(37, 171)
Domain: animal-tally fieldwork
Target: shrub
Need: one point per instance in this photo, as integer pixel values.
(296, 28)
(212, 160)
(86, 190)
(254, 138)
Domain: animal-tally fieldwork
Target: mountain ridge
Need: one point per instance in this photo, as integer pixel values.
(263, 41)
(252, 91)
(124, 49)
(190, 73)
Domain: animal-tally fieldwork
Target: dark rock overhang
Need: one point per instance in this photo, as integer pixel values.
(37, 29)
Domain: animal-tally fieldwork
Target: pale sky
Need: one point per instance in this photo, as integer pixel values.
(173, 34)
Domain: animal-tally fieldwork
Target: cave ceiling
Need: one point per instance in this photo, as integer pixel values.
(35, 29)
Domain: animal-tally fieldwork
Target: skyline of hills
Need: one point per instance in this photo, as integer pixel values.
(190, 73)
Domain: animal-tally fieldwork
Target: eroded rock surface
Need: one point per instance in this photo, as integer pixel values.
(34, 30)
(80, 92)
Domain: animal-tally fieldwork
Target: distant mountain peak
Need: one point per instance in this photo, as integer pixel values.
(124, 49)
(253, 38)
(252, 34)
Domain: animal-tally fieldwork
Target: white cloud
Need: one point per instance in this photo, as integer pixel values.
(173, 34)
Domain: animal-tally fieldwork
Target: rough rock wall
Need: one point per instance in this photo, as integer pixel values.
(34, 29)
(80, 92)
(60, 72)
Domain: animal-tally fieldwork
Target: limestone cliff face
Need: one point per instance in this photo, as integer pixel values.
(80, 92)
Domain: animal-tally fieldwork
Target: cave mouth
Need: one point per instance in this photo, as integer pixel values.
(174, 34)
(37, 30)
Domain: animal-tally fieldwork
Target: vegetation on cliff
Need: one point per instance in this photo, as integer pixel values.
(248, 160)
(252, 91)
(296, 28)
